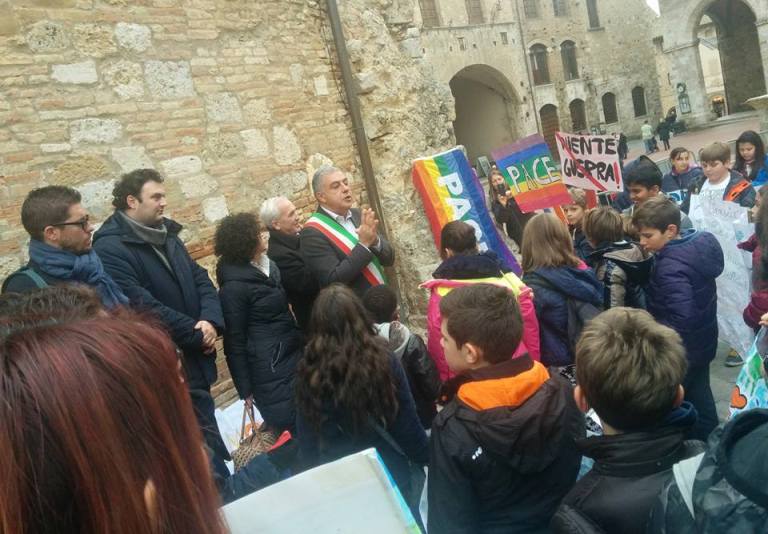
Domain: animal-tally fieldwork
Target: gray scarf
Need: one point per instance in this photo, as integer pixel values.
(153, 236)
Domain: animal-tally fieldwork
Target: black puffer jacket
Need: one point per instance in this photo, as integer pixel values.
(724, 489)
(624, 270)
(261, 341)
(630, 469)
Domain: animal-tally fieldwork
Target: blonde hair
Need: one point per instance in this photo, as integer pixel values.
(629, 368)
(546, 243)
(578, 196)
(717, 151)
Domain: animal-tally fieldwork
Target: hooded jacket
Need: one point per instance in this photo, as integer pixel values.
(423, 378)
(682, 292)
(758, 298)
(457, 271)
(502, 451)
(551, 302)
(743, 195)
(624, 271)
(630, 470)
(180, 296)
(262, 342)
(676, 186)
(724, 489)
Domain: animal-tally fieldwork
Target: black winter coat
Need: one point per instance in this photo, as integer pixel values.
(503, 455)
(262, 341)
(629, 472)
(18, 282)
(297, 279)
(623, 269)
(726, 487)
(331, 265)
(179, 297)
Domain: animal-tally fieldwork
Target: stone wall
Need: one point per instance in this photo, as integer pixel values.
(232, 100)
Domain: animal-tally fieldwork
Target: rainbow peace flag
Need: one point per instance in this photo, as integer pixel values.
(451, 191)
(532, 174)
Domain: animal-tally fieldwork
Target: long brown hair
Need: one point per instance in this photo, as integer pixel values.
(346, 366)
(93, 412)
(546, 243)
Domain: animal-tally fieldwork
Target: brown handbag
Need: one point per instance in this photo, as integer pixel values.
(258, 441)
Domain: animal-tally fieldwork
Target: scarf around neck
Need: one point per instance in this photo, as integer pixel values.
(153, 236)
(84, 268)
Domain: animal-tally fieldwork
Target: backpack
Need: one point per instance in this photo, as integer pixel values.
(579, 312)
(30, 273)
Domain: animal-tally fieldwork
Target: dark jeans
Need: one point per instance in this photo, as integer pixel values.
(699, 393)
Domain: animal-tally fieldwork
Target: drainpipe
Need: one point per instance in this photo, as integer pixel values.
(353, 104)
(528, 68)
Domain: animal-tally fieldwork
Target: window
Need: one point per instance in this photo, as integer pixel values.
(462, 43)
(429, 14)
(560, 7)
(594, 18)
(531, 8)
(474, 12)
(568, 55)
(504, 38)
(539, 64)
(610, 112)
(578, 115)
(638, 101)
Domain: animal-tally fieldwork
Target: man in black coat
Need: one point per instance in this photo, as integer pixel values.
(142, 251)
(280, 217)
(342, 244)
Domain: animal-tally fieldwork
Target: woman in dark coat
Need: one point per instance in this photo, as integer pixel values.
(262, 341)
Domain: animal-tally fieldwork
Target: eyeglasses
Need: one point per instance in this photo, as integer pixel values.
(83, 223)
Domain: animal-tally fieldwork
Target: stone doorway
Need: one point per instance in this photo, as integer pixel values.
(737, 50)
(578, 116)
(487, 110)
(550, 123)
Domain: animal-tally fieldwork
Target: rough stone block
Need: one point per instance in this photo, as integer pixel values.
(97, 195)
(297, 73)
(215, 208)
(47, 36)
(8, 23)
(125, 78)
(223, 107)
(287, 149)
(99, 131)
(135, 37)
(80, 170)
(197, 186)
(224, 147)
(182, 165)
(130, 158)
(76, 73)
(257, 111)
(256, 143)
(8, 264)
(94, 40)
(169, 79)
(321, 86)
(50, 148)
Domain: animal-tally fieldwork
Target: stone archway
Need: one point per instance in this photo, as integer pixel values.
(550, 123)
(739, 49)
(487, 110)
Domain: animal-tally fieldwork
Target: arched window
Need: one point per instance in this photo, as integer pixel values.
(429, 15)
(610, 113)
(539, 64)
(638, 101)
(594, 17)
(578, 115)
(560, 8)
(474, 12)
(568, 55)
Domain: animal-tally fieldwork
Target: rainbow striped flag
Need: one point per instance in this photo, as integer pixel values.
(531, 173)
(451, 191)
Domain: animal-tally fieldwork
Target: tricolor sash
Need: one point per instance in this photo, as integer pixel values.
(346, 241)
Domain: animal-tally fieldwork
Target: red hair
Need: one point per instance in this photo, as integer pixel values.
(91, 411)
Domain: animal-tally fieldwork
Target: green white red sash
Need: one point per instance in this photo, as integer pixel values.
(346, 241)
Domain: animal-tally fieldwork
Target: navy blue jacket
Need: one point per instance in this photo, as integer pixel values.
(179, 298)
(682, 292)
(552, 307)
(261, 340)
(333, 442)
(676, 186)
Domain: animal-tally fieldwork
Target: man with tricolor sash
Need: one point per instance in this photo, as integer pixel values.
(340, 243)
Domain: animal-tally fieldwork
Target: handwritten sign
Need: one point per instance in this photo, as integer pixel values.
(728, 222)
(531, 174)
(590, 161)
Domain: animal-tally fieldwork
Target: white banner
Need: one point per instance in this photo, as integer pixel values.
(729, 223)
(590, 161)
